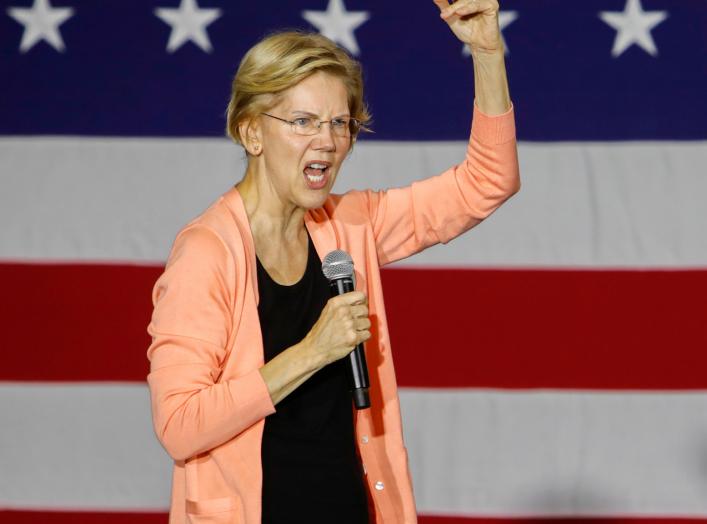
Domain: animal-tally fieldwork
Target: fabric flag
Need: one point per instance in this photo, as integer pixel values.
(572, 321)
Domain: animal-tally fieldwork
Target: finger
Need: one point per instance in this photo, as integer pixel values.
(354, 297)
(467, 10)
(363, 324)
(361, 336)
(346, 300)
(472, 9)
(461, 8)
(359, 311)
(442, 4)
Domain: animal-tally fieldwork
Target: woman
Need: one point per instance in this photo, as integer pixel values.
(248, 387)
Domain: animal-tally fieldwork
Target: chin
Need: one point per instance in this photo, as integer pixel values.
(308, 198)
(314, 200)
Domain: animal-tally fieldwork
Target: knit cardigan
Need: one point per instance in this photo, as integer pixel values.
(208, 397)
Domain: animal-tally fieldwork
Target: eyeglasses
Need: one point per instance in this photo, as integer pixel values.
(341, 126)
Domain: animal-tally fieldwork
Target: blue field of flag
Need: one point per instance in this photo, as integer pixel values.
(113, 74)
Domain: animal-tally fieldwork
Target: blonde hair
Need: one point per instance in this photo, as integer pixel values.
(280, 61)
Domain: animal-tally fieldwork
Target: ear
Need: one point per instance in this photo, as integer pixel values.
(251, 136)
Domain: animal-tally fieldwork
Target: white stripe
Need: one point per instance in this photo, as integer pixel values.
(472, 452)
(582, 204)
(551, 453)
(80, 446)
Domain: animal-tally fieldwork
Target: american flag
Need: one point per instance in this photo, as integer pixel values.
(573, 321)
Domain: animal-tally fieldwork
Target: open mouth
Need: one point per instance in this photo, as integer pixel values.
(316, 174)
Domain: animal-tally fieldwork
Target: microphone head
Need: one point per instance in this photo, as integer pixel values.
(337, 264)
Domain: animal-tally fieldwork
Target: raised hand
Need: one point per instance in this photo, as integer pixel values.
(474, 22)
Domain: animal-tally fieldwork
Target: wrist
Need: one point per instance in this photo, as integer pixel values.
(491, 84)
(311, 357)
(488, 56)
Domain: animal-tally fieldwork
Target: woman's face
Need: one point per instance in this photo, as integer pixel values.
(302, 169)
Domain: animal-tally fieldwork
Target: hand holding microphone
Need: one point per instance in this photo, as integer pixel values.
(338, 269)
(342, 325)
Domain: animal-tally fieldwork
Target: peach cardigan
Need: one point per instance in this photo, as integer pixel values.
(208, 397)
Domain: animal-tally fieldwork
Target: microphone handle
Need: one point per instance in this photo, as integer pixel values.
(358, 369)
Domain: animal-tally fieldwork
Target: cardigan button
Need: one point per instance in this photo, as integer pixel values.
(364, 439)
(380, 486)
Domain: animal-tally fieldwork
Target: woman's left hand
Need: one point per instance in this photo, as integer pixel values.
(474, 22)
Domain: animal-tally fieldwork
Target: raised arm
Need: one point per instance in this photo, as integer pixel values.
(475, 23)
(437, 209)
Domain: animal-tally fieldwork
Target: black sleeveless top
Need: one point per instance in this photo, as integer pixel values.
(311, 472)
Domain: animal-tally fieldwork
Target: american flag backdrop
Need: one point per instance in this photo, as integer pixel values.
(573, 321)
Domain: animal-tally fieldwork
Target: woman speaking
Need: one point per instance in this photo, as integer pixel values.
(249, 386)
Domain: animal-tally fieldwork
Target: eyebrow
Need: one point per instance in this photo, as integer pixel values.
(314, 115)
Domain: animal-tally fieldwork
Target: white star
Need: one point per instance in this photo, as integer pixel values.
(633, 26)
(41, 22)
(504, 19)
(188, 23)
(337, 23)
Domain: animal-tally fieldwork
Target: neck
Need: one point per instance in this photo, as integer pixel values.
(268, 214)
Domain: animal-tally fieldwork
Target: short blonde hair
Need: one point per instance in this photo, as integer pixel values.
(280, 61)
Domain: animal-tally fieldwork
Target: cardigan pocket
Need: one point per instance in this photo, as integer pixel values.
(212, 511)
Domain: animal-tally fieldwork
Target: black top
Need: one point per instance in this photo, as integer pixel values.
(311, 471)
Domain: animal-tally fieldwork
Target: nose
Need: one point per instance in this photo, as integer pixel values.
(324, 139)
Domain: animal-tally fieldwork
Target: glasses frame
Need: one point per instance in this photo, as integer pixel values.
(319, 123)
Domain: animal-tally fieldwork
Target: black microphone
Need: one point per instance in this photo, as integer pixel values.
(338, 269)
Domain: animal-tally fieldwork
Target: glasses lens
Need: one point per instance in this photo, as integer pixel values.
(304, 126)
(342, 127)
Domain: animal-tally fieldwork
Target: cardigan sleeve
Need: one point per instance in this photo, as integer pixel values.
(191, 322)
(437, 209)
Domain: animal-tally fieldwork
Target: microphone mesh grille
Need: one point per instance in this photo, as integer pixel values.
(337, 264)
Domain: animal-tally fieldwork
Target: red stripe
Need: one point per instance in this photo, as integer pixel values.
(75, 322)
(83, 517)
(549, 329)
(449, 328)
(51, 517)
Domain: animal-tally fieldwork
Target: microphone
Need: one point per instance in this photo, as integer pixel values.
(338, 269)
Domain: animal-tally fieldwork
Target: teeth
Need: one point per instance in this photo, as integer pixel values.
(317, 166)
(317, 178)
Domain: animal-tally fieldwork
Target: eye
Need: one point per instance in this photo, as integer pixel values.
(302, 122)
(341, 122)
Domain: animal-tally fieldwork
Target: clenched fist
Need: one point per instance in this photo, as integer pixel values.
(343, 324)
(474, 22)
